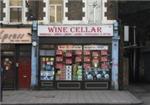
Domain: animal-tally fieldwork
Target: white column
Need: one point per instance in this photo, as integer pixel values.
(115, 57)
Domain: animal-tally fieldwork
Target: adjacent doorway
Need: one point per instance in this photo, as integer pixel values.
(24, 73)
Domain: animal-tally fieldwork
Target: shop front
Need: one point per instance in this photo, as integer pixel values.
(15, 57)
(75, 57)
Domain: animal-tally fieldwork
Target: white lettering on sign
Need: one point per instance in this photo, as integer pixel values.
(80, 30)
(14, 35)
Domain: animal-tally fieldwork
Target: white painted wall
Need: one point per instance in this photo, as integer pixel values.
(94, 11)
(6, 11)
(93, 14)
(46, 10)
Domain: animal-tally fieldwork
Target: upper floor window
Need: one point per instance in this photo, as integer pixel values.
(35, 9)
(75, 10)
(55, 11)
(15, 8)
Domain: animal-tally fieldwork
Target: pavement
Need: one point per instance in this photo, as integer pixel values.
(70, 97)
(141, 91)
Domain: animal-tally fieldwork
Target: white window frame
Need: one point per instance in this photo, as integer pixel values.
(18, 7)
(55, 6)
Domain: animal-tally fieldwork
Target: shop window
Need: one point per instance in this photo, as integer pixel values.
(55, 11)
(75, 10)
(9, 72)
(7, 47)
(15, 7)
(8, 50)
(75, 62)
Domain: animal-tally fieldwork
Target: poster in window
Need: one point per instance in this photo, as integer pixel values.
(78, 59)
(87, 52)
(87, 59)
(69, 61)
(47, 75)
(104, 59)
(68, 54)
(59, 59)
(78, 52)
(105, 65)
(104, 52)
(95, 53)
(59, 52)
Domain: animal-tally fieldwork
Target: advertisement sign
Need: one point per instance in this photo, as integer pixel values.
(69, 47)
(15, 35)
(95, 47)
(73, 30)
(47, 75)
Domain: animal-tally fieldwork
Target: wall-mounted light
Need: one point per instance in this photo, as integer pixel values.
(34, 43)
(115, 26)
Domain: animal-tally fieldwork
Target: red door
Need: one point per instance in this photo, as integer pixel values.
(24, 73)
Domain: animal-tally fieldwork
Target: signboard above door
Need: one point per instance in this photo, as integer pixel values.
(75, 30)
(15, 35)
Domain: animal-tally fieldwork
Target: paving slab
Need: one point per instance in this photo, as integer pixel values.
(64, 97)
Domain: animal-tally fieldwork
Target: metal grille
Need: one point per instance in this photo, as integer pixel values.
(96, 85)
(68, 85)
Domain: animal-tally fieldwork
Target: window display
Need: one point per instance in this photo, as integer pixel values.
(77, 72)
(76, 63)
(47, 68)
(69, 68)
(96, 62)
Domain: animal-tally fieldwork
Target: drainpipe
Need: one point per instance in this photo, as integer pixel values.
(134, 54)
(34, 61)
(115, 57)
(1, 78)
